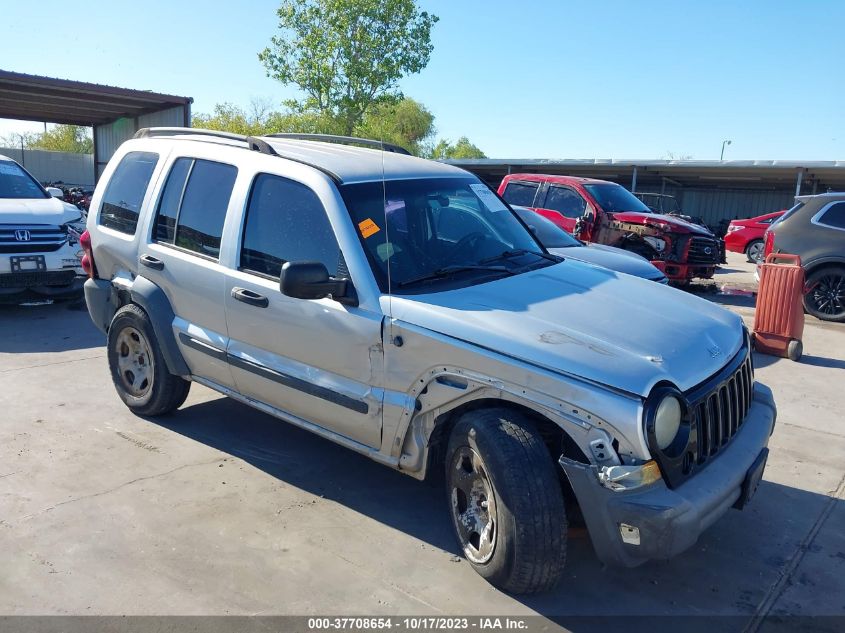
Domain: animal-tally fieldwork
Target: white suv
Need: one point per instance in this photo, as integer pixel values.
(398, 307)
(39, 240)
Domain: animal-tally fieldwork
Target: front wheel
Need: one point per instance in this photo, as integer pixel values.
(505, 501)
(754, 251)
(138, 369)
(826, 297)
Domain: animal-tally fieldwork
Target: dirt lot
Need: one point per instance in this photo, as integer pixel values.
(220, 509)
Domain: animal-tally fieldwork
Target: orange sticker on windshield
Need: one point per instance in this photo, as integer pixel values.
(368, 227)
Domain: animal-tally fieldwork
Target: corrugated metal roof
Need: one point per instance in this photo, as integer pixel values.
(745, 174)
(38, 98)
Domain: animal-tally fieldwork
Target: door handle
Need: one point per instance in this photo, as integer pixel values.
(151, 262)
(250, 297)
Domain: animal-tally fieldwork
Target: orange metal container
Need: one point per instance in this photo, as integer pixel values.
(779, 317)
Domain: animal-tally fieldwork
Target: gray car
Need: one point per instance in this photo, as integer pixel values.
(814, 229)
(346, 290)
(559, 242)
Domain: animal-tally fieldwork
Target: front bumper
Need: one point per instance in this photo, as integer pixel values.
(681, 273)
(23, 293)
(670, 520)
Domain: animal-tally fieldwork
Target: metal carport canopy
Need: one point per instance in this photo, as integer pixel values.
(36, 98)
(749, 174)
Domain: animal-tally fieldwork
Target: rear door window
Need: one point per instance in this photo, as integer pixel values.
(125, 191)
(286, 222)
(193, 205)
(565, 201)
(834, 216)
(521, 193)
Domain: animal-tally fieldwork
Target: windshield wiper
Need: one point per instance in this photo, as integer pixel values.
(447, 271)
(517, 253)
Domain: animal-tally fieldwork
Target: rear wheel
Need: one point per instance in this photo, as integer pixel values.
(826, 297)
(505, 501)
(754, 251)
(138, 369)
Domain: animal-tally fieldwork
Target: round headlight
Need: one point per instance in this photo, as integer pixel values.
(667, 421)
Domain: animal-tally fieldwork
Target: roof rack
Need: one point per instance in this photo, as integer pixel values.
(253, 143)
(343, 140)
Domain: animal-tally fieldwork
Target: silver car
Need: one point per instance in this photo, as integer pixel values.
(559, 242)
(344, 289)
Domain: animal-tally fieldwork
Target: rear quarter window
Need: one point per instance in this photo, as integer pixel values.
(834, 216)
(125, 191)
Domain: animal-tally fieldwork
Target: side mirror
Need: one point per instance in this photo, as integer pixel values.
(56, 192)
(310, 280)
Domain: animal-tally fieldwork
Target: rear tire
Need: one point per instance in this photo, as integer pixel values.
(826, 300)
(754, 251)
(505, 501)
(138, 369)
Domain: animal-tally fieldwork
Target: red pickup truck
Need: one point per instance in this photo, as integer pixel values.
(606, 213)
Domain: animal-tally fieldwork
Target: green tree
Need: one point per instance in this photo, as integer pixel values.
(406, 123)
(463, 148)
(228, 117)
(347, 55)
(61, 138)
(259, 119)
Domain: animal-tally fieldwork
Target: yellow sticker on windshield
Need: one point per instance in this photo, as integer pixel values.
(368, 227)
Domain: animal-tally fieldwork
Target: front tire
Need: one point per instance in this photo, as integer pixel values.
(505, 501)
(826, 299)
(138, 369)
(754, 251)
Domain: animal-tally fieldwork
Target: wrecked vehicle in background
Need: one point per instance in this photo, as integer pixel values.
(607, 213)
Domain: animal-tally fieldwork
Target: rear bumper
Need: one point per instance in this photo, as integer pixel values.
(99, 297)
(671, 520)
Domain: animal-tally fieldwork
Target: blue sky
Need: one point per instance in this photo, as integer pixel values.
(535, 79)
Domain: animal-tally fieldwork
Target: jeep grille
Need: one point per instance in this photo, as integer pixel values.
(719, 413)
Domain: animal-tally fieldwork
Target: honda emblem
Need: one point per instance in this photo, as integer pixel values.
(22, 235)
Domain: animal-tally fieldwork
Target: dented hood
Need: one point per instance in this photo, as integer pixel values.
(37, 211)
(610, 328)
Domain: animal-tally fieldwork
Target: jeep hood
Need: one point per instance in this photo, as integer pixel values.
(37, 211)
(577, 319)
(676, 224)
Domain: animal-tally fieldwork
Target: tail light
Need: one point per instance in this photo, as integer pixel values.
(88, 258)
(769, 245)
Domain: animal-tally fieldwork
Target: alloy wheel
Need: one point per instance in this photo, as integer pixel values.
(755, 252)
(828, 295)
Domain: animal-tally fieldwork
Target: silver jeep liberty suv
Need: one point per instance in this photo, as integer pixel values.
(398, 307)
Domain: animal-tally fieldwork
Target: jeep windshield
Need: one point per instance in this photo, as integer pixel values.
(432, 234)
(16, 183)
(616, 199)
